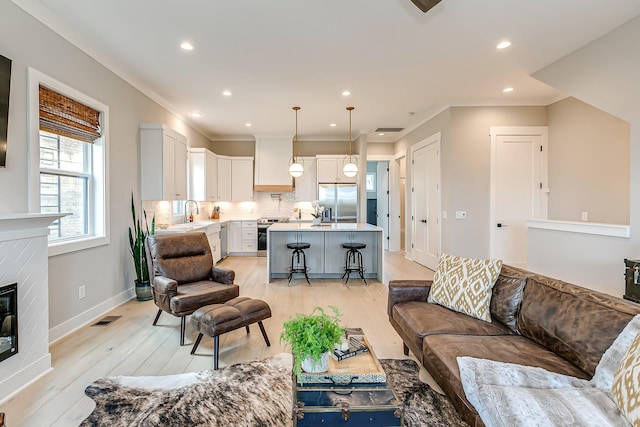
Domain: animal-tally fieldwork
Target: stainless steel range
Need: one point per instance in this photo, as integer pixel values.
(263, 224)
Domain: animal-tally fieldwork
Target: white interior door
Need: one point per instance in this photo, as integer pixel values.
(518, 191)
(426, 202)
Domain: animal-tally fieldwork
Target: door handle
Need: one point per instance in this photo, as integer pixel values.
(500, 225)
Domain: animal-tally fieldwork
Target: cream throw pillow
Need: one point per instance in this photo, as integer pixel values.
(464, 285)
(626, 383)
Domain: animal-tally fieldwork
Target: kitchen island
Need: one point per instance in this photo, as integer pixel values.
(326, 256)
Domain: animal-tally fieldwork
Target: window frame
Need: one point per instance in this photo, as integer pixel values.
(98, 197)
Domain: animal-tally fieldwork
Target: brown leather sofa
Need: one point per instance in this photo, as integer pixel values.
(183, 277)
(536, 321)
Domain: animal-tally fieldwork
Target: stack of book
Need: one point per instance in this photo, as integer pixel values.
(355, 347)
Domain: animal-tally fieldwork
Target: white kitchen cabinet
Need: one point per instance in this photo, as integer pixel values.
(163, 154)
(203, 175)
(243, 238)
(235, 179)
(250, 237)
(306, 186)
(224, 178)
(241, 179)
(272, 163)
(330, 169)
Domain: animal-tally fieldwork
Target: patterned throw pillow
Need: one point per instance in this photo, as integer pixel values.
(626, 383)
(464, 285)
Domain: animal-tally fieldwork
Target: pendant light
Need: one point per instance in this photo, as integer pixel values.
(350, 169)
(296, 169)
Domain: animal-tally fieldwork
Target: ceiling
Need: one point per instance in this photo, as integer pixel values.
(401, 66)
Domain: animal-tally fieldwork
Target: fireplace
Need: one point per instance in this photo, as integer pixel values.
(8, 321)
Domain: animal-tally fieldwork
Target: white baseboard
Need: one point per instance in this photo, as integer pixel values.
(60, 331)
(24, 377)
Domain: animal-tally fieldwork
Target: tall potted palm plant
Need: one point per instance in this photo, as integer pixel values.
(137, 235)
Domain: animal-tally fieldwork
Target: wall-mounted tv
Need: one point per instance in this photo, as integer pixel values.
(5, 84)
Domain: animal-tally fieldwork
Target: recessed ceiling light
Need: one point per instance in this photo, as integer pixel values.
(248, 125)
(196, 115)
(503, 44)
(227, 93)
(346, 93)
(381, 134)
(507, 89)
(186, 46)
(332, 125)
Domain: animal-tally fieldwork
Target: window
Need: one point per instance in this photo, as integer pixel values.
(69, 133)
(65, 184)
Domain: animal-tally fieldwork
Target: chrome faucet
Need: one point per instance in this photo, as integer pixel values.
(188, 215)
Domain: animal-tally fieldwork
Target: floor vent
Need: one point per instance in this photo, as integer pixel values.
(106, 321)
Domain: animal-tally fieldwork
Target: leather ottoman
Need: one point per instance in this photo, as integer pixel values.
(216, 319)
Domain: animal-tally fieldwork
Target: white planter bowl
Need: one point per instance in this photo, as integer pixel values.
(313, 368)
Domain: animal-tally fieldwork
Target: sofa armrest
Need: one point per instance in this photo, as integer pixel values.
(223, 275)
(407, 290)
(165, 286)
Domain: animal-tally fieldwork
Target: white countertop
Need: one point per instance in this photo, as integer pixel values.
(306, 226)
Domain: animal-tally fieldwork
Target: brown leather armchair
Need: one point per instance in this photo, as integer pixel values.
(183, 277)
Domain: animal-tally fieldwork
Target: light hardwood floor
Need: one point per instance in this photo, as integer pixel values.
(132, 346)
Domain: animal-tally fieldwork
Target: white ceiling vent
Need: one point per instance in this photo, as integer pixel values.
(388, 130)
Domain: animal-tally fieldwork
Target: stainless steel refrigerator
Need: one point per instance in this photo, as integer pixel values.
(340, 202)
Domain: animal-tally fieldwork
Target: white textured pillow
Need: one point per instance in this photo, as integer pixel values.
(626, 383)
(611, 358)
(464, 285)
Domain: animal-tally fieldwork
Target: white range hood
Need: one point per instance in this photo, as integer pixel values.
(273, 154)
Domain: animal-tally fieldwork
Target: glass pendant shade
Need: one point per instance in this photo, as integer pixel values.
(350, 170)
(296, 170)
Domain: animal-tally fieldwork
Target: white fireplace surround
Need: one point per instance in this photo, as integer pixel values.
(24, 259)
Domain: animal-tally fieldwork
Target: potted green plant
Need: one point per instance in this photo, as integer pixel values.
(137, 235)
(311, 338)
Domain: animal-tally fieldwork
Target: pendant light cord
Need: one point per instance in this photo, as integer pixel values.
(295, 140)
(350, 109)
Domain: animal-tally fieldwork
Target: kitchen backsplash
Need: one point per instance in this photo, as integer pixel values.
(265, 204)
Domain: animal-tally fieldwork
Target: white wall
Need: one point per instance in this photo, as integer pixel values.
(604, 74)
(107, 271)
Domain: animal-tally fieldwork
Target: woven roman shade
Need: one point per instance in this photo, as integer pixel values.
(67, 117)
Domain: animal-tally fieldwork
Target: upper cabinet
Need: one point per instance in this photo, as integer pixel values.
(330, 169)
(306, 186)
(163, 164)
(224, 178)
(235, 179)
(241, 179)
(272, 164)
(203, 175)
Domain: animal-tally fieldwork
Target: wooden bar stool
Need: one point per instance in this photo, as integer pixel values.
(296, 265)
(353, 261)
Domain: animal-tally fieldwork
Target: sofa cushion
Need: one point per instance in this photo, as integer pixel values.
(464, 285)
(506, 299)
(441, 352)
(576, 323)
(419, 319)
(626, 383)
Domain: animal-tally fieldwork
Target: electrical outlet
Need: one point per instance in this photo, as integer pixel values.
(461, 214)
(584, 216)
(445, 215)
(81, 292)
